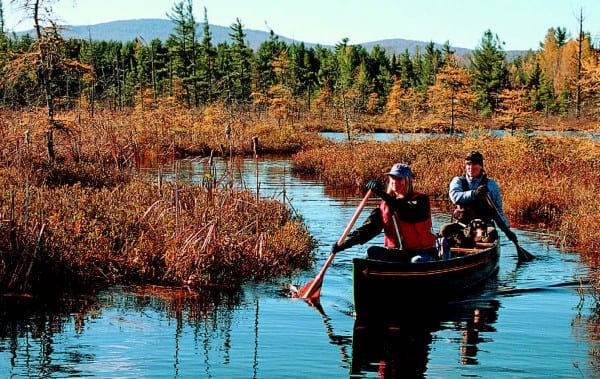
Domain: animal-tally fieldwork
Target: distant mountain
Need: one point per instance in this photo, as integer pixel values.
(153, 28)
(399, 46)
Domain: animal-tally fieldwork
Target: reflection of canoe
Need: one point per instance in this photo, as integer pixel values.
(404, 347)
(380, 286)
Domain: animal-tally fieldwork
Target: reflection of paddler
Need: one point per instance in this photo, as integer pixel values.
(470, 336)
(396, 352)
(401, 349)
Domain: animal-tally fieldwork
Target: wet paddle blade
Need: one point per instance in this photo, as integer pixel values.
(523, 254)
(312, 290)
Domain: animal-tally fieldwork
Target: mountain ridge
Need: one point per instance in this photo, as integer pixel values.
(156, 28)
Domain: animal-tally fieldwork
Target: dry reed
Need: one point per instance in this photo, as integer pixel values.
(90, 217)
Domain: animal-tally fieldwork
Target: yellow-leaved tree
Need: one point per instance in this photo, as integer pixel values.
(562, 62)
(450, 99)
(513, 107)
(590, 87)
(550, 59)
(403, 104)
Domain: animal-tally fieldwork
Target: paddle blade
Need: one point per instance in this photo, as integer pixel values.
(523, 254)
(311, 291)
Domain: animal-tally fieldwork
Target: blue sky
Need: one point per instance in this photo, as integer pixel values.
(520, 24)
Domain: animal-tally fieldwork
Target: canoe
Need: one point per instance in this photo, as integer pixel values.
(381, 287)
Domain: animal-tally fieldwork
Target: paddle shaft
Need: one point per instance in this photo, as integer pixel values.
(316, 282)
(397, 230)
(521, 253)
(359, 209)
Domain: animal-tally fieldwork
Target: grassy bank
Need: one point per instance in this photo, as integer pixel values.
(90, 217)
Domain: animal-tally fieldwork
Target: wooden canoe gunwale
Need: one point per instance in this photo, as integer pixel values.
(380, 285)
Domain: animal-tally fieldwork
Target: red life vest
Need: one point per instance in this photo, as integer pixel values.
(413, 235)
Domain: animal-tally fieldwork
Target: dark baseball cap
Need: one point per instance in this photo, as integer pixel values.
(474, 157)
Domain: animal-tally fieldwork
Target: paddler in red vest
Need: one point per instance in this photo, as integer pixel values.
(405, 217)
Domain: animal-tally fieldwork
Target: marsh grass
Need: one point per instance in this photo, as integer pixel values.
(91, 217)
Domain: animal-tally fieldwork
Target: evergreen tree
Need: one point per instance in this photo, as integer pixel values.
(326, 77)
(182, 45)
(206, 64)
(432, 62)
(488, 67)
(223, 70)
(406, 72)
(88, 84)
(241, 64)
(267, 53)
(297, 52)
(346, 99)
(560, 34)
(363, 86)
(448, 55)
(379, 68)
(1, 20)
(144, 56)
(328, 68)
(310, 66)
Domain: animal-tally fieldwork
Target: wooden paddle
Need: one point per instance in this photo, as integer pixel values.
(312, 289)
(522, 254)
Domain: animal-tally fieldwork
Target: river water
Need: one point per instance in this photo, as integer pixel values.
(535, 320)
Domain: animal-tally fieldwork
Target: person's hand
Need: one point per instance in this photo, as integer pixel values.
(376, 187)
(511, 235)
(335, 248)
(481, 191)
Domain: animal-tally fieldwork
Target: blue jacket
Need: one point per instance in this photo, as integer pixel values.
(466, 198)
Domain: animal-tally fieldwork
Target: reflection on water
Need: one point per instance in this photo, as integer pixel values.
(28, 329)
(34, 333)
(401, 347)
(537, 321)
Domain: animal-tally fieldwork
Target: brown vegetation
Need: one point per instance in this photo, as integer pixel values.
(90, 217)
(75, 207)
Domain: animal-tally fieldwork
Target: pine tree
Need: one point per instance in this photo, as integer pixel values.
(183, 48)
(241, 65)
(267, 53)
(488, 67)
(206, 64)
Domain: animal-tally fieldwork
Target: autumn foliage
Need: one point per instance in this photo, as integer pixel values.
(80, 121)
(93, 216)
